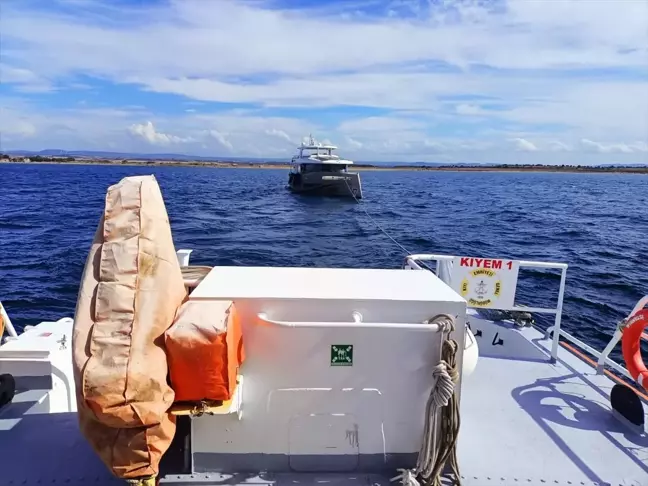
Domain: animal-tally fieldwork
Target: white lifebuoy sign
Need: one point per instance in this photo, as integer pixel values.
(485, 282)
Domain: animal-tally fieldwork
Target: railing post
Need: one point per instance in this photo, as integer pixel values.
(183, 257)
(559, 307)
(618, 334)
(600, 364)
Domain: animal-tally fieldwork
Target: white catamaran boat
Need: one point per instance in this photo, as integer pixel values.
(317, 170)
(307, 376)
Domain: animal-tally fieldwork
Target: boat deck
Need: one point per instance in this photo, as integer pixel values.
(527, 421)
(524, 421)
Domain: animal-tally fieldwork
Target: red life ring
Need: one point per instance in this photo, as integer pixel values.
(631, 345)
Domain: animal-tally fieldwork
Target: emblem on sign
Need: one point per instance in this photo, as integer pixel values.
(482, 288)
(342, 355)
(485, 282)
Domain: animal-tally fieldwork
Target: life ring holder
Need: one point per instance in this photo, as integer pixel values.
(631, 347)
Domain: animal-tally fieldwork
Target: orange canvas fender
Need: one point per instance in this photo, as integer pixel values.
(631, 346)
(205, 350)
(130, 291)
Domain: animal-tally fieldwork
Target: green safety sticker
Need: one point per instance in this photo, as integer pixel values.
(341, 354)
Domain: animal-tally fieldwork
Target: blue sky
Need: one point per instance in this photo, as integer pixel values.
(530, 81)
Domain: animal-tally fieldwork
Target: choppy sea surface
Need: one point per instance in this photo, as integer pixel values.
(596, 223)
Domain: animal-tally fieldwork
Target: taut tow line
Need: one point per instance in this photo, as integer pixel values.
(383, 230)
(405, 250)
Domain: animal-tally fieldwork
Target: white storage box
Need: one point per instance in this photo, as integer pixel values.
(338, 368)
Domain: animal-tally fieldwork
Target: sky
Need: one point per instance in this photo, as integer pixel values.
(508, 81)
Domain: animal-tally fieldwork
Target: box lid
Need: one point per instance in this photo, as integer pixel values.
(323, 283)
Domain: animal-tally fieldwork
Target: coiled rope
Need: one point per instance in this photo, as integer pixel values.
(442, 419)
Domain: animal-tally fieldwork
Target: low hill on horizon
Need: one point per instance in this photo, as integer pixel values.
(99, 154)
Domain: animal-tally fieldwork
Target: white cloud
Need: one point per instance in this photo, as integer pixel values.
(524, 145)
(148, 132)
(17, 129)
(594, 33)
(550, 31)
(280, 134)
(380, 124)
(255, 136)
(9, 74)
(26, 80)
(549, 98)
(465, 109)
(221, 139)
(558, 146)
(639, 146)
(605, 148)
(353, 143)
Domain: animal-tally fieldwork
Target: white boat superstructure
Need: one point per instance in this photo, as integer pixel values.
(341, 368)
(317, 170)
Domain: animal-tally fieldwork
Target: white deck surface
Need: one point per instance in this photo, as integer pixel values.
(322, 284)
(526, 421)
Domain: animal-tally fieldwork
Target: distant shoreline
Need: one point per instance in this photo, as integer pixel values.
(358, 167)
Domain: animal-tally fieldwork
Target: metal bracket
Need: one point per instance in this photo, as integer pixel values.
(477, 333)
(62, 342)
(496, 341)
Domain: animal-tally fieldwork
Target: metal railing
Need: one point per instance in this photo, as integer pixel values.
(443, 269)
(602, 357)
(355, 323)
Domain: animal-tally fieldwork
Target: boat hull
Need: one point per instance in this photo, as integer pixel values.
(326, 184)
(309, 420)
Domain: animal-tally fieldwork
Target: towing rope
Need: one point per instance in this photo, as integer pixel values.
(377, 225)
(353, 194)
(442, 415)
(442, 409)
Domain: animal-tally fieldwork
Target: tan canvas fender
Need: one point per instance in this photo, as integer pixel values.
(132, 286)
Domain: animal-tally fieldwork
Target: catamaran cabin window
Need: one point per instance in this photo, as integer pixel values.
(322, 168)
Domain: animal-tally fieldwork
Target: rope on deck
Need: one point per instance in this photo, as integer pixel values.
(442, 419)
